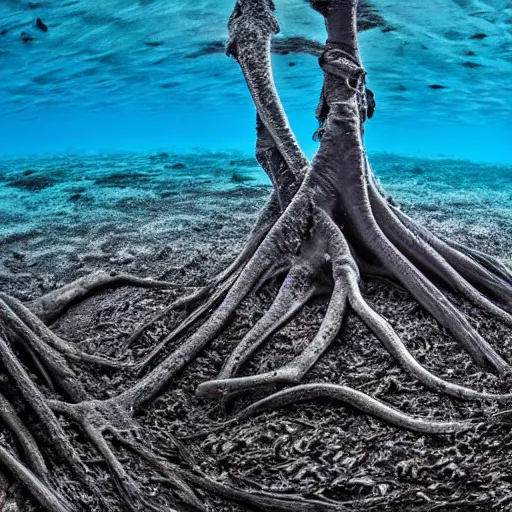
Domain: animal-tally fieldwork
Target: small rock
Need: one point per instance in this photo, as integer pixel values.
(18, 255)
(437, 86)
(40, 25)
(3, 32)
(179, 165)
(469, 64)
(75, 197)
(480, 35)
(236, 177)
(291, 64)
(26, 37)
(28, 172)
(32, 184)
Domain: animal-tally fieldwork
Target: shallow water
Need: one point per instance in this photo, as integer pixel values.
(74, 195)
(126, 145)
(116, 112)
(151, 74)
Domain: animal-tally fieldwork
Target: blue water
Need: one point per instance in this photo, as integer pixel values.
(68, 215)
(137, 75)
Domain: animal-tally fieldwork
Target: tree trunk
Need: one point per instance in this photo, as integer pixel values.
(326, 226)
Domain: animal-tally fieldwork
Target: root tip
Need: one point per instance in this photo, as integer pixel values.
(208, 390)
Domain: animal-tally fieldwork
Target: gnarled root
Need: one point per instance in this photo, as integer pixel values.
(51, 305)
(326, 226)
(296, 289)
(340, 189)
(28, 444)
(41, 491)
(361, 401)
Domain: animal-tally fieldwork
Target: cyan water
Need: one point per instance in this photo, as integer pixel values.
(98, 87)
(142, 75)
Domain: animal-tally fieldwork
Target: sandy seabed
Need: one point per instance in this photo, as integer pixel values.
(182, 218)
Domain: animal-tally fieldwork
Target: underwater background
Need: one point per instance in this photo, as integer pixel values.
(128, 112)
(146, 75)
(127, 145)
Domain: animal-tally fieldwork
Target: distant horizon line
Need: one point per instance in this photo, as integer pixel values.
(77, 152)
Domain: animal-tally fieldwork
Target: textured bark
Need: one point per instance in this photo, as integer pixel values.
(325, 226)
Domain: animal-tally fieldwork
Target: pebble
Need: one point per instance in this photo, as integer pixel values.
(40, 25)
(26, 37)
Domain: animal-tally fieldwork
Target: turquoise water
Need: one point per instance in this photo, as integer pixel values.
(127, 144)
(72, 194)
(149, 75)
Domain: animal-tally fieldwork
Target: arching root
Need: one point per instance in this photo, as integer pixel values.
(296, 290)
(20, 321)
(50, 306)
(326, 223)
(363, 403)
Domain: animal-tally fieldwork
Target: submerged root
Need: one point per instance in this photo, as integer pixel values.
(325, 225)
(50, 306)
(27, 442)
(21, 322)
(363, 403)
(321, 258)
(258, 499)
(484, 271)
(425, 256)
(297, 289)
(40, 490)
(217, 287)
(295, 292)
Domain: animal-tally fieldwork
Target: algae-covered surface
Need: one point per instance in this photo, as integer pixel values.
(183, 218)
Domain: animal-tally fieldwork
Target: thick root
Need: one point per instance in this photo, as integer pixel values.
(323, 216)
(425, 256)
(27, 325)
(484, 271)
(35, 398)
(360, 401)
(50, 306)
(295, 370)
(27, 442)
(46, 496)
(297, 289)
(394, 345)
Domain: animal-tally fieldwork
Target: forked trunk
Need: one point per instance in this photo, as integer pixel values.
(325, 225)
